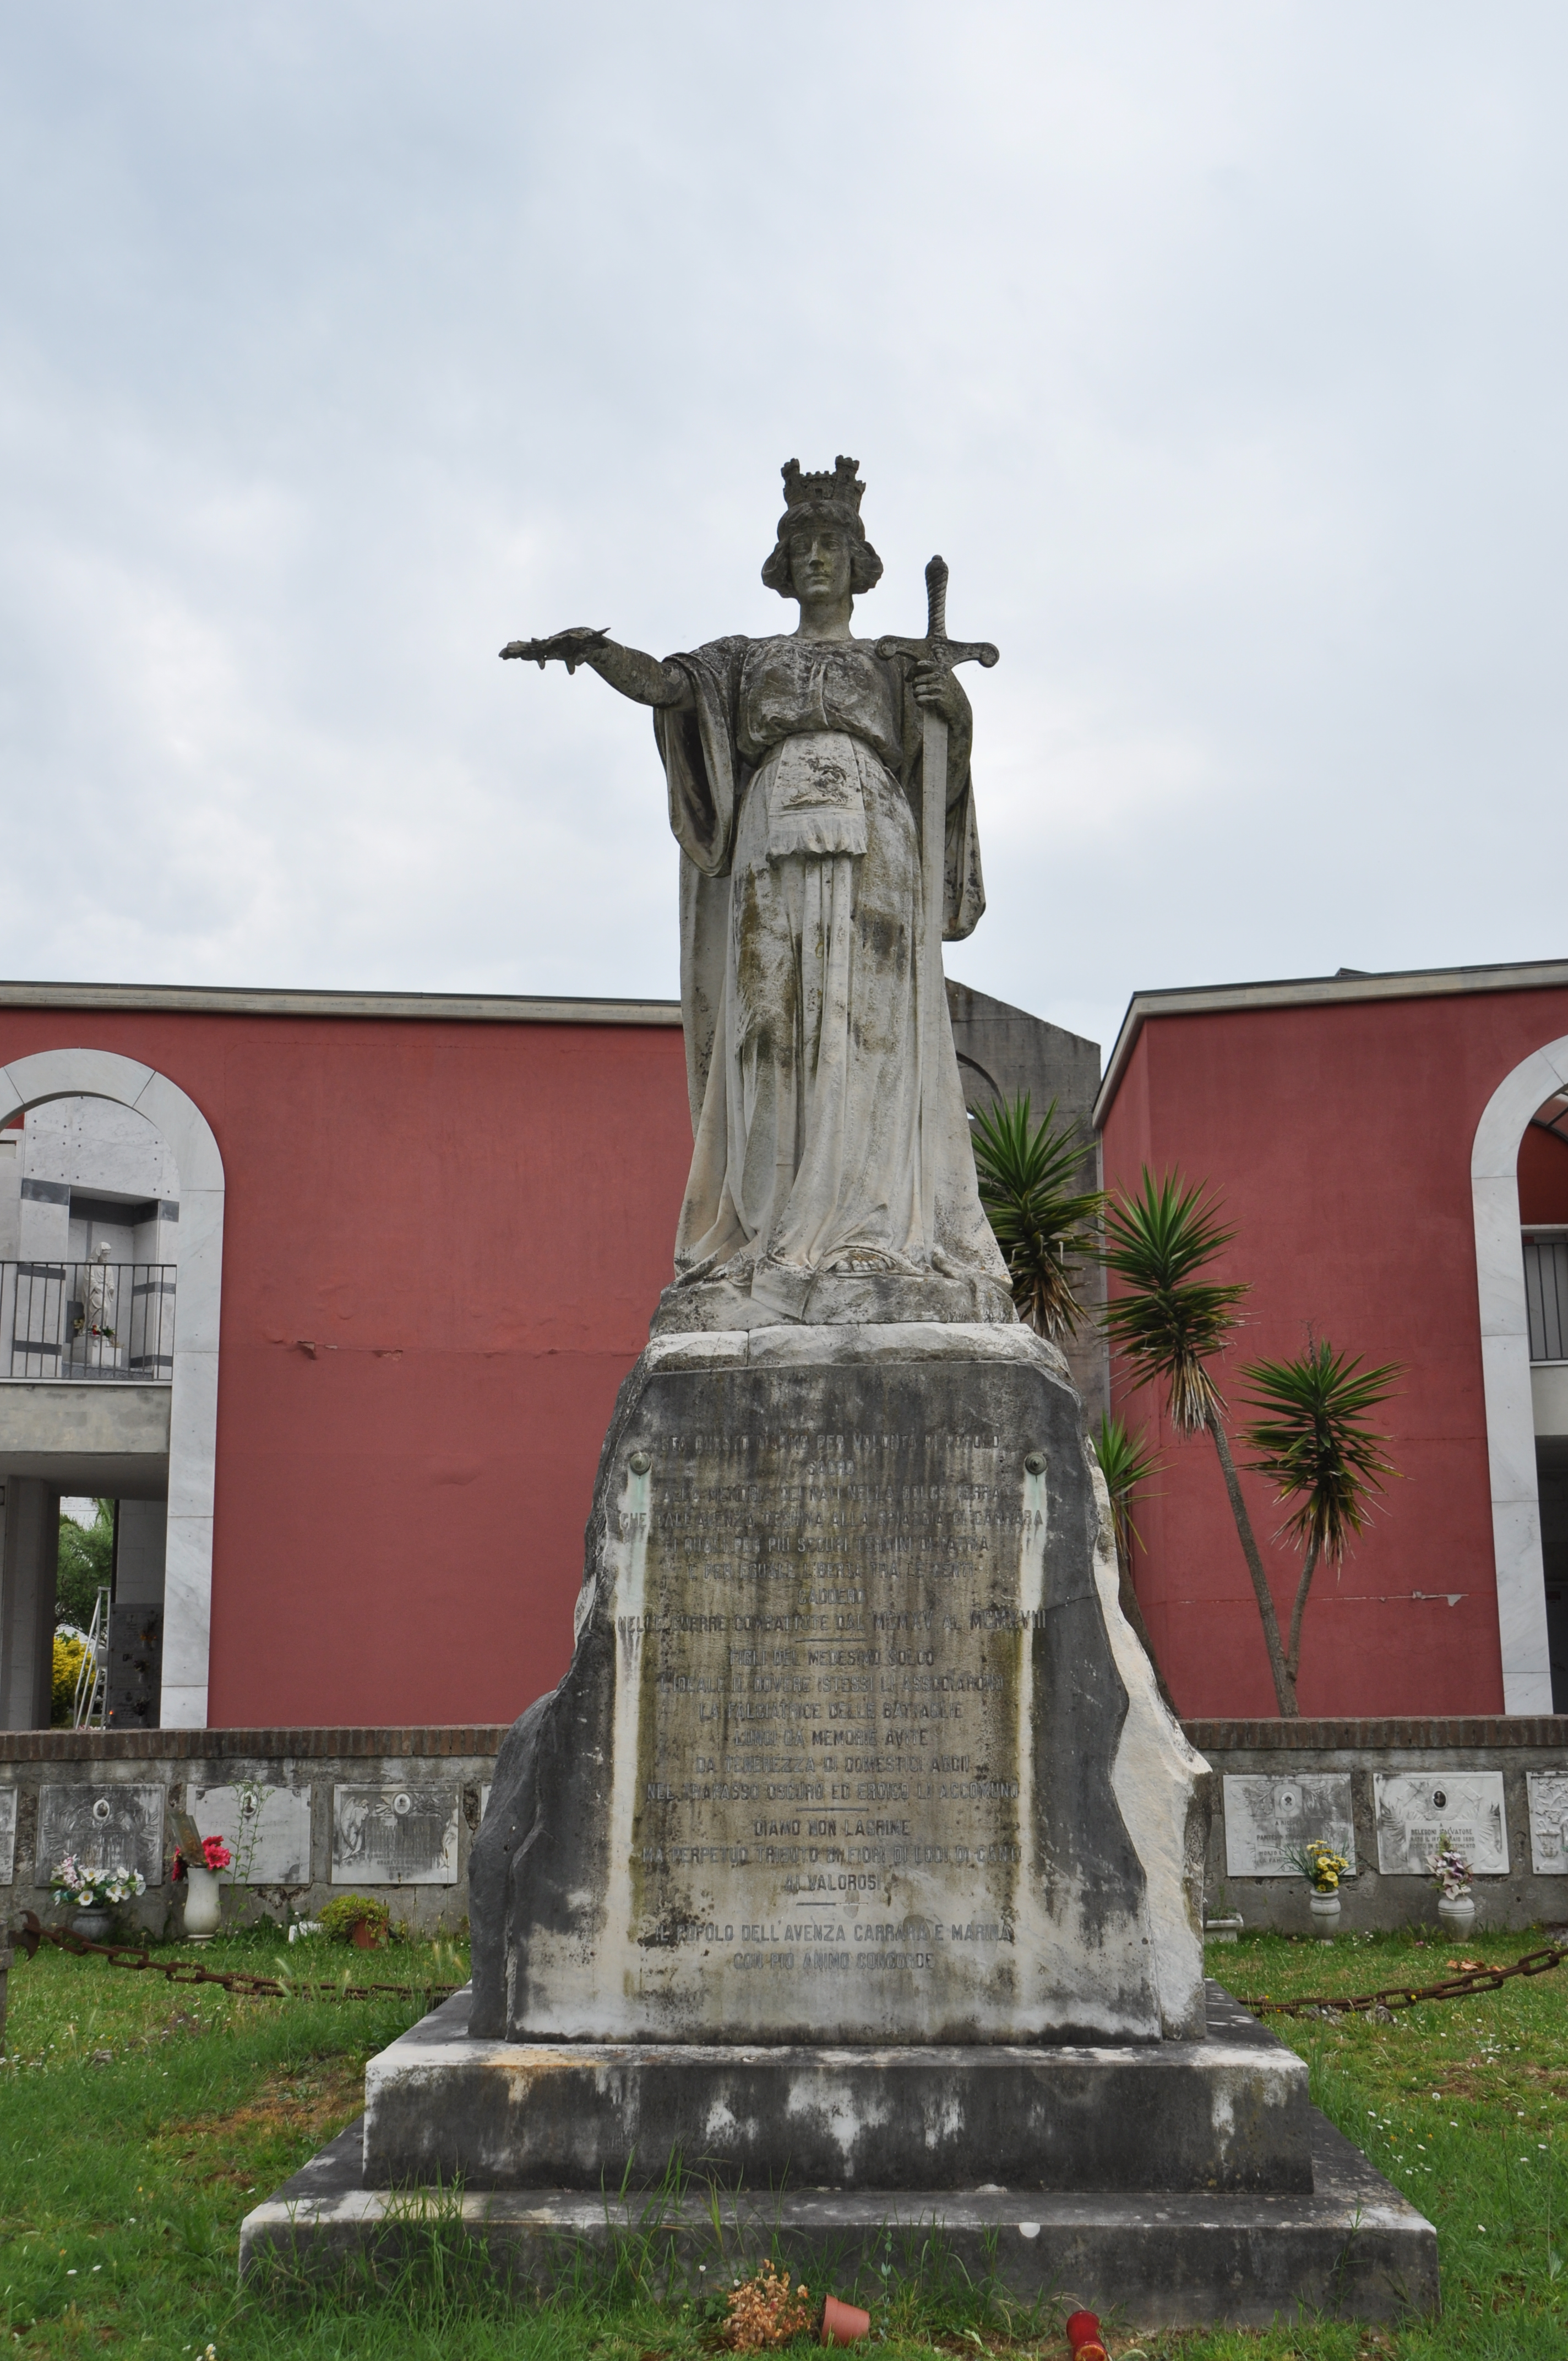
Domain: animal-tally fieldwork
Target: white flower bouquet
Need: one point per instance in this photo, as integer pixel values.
(95, 1889)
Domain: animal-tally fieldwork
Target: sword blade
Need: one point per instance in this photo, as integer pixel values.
(933, 867)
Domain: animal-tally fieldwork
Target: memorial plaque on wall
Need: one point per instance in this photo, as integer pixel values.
(1417, 1810)
(394, 1836)
(112, 1826)
(1268, 1819)
(266, 1830)
(1548, 1792)
(7, 1835)
(837, 1749)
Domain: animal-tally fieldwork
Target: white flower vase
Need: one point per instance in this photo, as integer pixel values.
(1325, 1916)
(203, 1904)
(1456, 1913)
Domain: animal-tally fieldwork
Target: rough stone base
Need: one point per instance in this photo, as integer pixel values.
(1228, 2113)
(1354, 2249)
(830, 1298)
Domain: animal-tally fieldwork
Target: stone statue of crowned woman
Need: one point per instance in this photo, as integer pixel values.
(831, 1177)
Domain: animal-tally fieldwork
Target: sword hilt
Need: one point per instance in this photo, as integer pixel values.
(937, 601)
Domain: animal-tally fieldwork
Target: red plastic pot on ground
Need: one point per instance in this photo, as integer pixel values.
(844, 2324)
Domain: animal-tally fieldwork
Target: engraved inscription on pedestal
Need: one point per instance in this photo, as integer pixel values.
(7, 1835)
(1268, 1819)
(841, 1726)
(266, 1828)
(1419, 1809)
(1548, 1793)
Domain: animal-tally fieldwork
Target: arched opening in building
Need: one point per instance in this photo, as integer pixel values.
(1518, 1173)
(111, 1227)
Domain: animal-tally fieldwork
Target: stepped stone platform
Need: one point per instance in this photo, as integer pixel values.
(1274, 2211)
(1229, 2112)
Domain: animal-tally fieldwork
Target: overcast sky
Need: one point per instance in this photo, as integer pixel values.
(1220, 348)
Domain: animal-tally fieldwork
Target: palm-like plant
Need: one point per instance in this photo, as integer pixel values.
(1127, 1465)
(1168, 1324)
(1313, 1443)
(1042, 1219)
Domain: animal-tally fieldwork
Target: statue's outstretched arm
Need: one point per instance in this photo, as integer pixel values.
(642, 677)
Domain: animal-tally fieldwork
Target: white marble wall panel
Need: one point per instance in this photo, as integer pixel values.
(1416, 1810)
(1548, 1396)
(1268, 1819)
(117, 1826)
(7, 1835)
(394, 1836)
(266, 1828)
(99, 1145)
(1548, 1793)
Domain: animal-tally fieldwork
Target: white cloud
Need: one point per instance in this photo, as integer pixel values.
(1217, 346)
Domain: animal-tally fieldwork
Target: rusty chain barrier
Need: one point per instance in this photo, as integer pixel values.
(32, 1933)
(1384, 2002)
(1396, 1996)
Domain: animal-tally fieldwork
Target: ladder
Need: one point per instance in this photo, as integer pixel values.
(87, 1708)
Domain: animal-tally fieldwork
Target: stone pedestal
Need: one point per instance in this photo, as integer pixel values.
(856, 1746)
(1228, 2113)
(1338, 2241)
(856, 1859)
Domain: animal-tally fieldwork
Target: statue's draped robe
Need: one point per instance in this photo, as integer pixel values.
(813, 1057)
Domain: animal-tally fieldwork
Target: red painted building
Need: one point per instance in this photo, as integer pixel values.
(413, 1245)
(1385, 1146)
(442, 1228)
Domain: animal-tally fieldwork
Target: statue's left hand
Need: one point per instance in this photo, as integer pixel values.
(937, 690)
(569, 647)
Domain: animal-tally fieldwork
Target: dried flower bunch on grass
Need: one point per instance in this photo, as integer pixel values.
(766, 2311)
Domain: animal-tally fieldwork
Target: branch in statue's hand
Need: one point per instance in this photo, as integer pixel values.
(571, 647)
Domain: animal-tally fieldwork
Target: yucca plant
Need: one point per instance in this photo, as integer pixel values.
(1043, 1220)
(1315, 1446)
(1168, 1324)
(1127, 1465)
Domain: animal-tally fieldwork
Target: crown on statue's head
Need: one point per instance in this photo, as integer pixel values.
(824, 499)
(837, 496)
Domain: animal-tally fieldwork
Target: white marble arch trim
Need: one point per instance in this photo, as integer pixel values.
(1505, 1366)
(193, 1406)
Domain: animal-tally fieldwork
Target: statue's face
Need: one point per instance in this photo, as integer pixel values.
(820, 562)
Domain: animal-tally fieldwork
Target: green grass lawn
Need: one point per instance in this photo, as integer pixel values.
(139, 2121)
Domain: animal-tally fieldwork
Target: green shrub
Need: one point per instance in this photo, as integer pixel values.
(340, 1916)
(68, 1652)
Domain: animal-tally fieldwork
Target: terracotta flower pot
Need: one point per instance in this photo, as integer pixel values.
(844, 2324)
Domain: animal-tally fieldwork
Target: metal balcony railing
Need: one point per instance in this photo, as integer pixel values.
(97, 1322)
(1546, 1294)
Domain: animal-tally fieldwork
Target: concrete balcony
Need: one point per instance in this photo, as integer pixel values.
(108, 1440)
